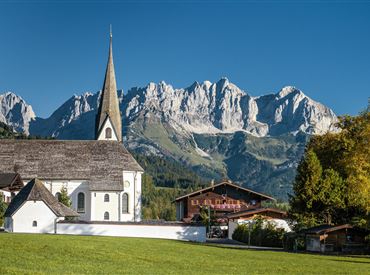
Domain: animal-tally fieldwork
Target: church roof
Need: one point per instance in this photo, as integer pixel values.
(100, 163)
(109, 104)
(36, 191)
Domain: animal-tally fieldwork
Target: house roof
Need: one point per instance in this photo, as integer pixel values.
(100, 163)
(325, 228)
(36, 191)
(226, 182)
(257, 211)
(10, 181)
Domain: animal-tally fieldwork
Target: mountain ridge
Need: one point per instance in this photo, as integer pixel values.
(216, 129)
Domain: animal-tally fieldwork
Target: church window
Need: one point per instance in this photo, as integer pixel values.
(81, 202)
(106, 198)
(57, 196)
(125, 203)
(106, 216)
(34, 224)
(108, 133)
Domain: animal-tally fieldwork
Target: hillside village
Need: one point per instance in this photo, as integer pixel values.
(94, 187)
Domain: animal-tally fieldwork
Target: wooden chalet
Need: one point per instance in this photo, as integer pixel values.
(222, 198)
(10, 184)
(329, 238)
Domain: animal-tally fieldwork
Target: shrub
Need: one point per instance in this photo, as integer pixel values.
(262, 233)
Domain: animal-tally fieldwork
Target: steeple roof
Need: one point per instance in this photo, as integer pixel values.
(109, 104)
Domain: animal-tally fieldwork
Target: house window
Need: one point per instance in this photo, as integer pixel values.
(125, 203)
(218, 201)
(34, 224)
(57, 195)
(194, 202)
(106, 216)
(106, 198)
(108, 133)
(81, 202)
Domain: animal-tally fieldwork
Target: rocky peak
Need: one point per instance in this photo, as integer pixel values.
(15, 112)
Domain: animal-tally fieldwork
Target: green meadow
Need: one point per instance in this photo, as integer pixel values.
(58, 254)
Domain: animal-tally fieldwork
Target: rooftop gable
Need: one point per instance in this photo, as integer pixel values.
(36, 191)
(258, 211)
(223, 183)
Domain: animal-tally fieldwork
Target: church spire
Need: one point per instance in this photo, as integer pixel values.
(108, 119)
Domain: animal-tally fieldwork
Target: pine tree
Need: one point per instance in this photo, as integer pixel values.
(306, 190)
(64, 198)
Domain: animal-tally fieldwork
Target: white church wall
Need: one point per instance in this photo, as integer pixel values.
(132, 187)
(102, 135)
(73, 188)
(100, 206)
(174, 232)
(30, 211)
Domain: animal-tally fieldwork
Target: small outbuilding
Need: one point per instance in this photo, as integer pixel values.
(275, 216)
(329, 238)
(35, 210)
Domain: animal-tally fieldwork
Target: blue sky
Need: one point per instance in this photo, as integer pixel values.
(50, 51)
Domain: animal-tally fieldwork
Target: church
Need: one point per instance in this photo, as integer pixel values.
(102, 178)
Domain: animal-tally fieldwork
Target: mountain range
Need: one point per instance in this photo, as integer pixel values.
(216, 129)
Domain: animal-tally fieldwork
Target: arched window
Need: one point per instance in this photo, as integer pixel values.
(81, 202)
(106, 216)
(108, 133)
(57, 195)
(106, 198)
(125, 203)
(34, 223)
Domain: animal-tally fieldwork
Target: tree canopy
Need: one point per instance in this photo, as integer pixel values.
(333, 178)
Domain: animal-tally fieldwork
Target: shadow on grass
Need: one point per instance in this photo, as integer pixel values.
(350, 261)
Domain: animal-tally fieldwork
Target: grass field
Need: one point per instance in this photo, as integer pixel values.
(57, 254)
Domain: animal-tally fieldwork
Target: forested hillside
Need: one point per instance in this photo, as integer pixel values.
(163, 181)
(7, 132)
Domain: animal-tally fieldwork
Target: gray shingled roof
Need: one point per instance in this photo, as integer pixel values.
(10, 180)
(100, 163)
(36, 191)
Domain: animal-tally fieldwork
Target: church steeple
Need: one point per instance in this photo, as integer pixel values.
(108, 119)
